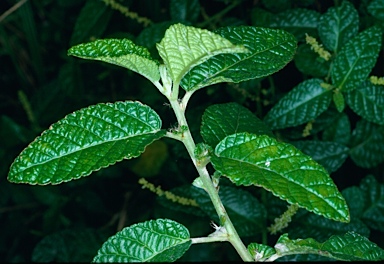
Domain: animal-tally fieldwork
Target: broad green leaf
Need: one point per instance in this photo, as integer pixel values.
(121, 52)
(91, 22)
(184, 47)
(260, 252)
(269, 51)
(355, 200)
(339, 130)
(297, 21)
(70, 245)
(188, 10)
(329, 154)
(302, 104)
(87, 140)
(373, 192)
(248, 159)
(338, 99)
(308, 62)
(338, 25)
(367, 144)
(348, 247)
(222, 120)
(245, 211)
(356, 59)
(376, 9)
(160, 240)
(368, 102)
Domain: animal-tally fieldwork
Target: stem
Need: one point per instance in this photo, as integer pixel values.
(198, 240)
(187, 139)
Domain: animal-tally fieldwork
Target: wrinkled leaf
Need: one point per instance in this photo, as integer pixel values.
(160, 240)
(302, 104)
(329, 154)
(87, 140)
(297, 21)
(339, 130)
(309, 62)
(121, 52)
(373, 193)
(348, 247)
(367, 144)
(338, 25)
(376, 9)
(184, 47)
(368, 102)
(338, 99)
(248, 159)
(222, 120)
(356, 59)
(269, 51)
(260, 252)
(245, 211)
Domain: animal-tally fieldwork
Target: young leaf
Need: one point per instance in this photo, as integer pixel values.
(302, 104)
(297, 21)
(329, 154)
(338, 99)
(269, 51)
(222, 120)
(338, 25)
(356, 59)
(367, 143)
(348, 247)
(184, 47)
(121, 52)
(160, 240)
(368, 102)
(85, 141)
(248, 159)
(260, 252)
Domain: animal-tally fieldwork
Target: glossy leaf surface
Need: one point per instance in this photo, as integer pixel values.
(269, 51)
(184, 47)
(338, 25)
(160, 240)
(376, 9)
(85, 141)
(368, 102)
(222, 120)
(348, 247)
(367, 144)
(121, 52)
(339, 130)
(302, 104)
(373, 195)
(329, 154)
(248, 159)
(356, 59)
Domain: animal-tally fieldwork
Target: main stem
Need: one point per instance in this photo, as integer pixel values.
(187, 139)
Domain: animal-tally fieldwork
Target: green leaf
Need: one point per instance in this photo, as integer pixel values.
(308, 62)
(91, 22)
(70, 245)
(338, 99)
(260, 252)
(297, 21)
(188, 10)
(338, 25)
(269, 51)
(348, 247)
(87, 140)
(248, 159)
(222, 120)
(376, 9)
(245, 211)
(356, 59)
(373, 193)
(160, 240)
(368, 102)
(302, 104)
(339, 130)
(184, 47)
(367, 143)
(329, 154)
(121, 52)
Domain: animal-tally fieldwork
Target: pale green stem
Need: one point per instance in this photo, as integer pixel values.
(208, 239)
(189, 143)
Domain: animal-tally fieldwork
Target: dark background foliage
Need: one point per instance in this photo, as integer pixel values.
(40, 84)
